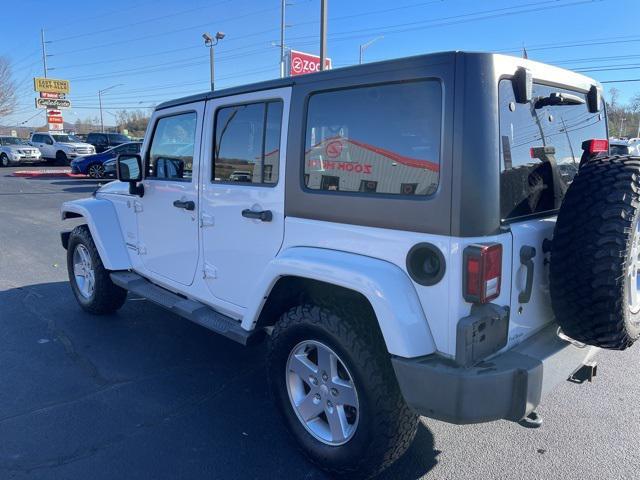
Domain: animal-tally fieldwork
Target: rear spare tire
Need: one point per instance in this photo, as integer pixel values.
(595, 255)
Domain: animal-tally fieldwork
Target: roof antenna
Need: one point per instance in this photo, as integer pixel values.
(524, 52)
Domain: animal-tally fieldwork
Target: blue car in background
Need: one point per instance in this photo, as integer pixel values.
(92, 165)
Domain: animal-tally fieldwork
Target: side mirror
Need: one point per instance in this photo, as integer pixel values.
(129, 169)
(49, 141)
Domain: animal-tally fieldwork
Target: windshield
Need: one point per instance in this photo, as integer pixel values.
(117, 137)
(541, 149)
(12, 141)
(66, 138)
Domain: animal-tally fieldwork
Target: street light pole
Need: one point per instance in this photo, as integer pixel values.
(282, 27)
(100, 92)
(211, 42)
(366, 45)
(323, 33)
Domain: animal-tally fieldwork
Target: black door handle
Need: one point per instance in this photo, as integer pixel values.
(264, 215)
(187, 204)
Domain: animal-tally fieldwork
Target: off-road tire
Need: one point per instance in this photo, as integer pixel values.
(590, 255)
(386, 425)
(107, 296)
(61, 158)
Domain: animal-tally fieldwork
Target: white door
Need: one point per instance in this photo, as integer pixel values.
(168, 220)
(242, 202)
(44, 142)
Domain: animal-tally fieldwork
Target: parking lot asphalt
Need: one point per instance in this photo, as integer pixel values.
(145, 394)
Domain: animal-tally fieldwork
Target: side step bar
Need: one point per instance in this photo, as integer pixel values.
(190, 309)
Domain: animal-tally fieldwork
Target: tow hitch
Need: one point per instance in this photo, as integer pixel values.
(585, 373)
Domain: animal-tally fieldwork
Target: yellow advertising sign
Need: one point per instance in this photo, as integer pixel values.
(41, 84)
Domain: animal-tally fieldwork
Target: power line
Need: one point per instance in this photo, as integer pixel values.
(140, 22)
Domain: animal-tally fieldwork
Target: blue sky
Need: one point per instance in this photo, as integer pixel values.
(154, 49)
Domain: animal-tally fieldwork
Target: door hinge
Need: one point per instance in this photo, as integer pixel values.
(206, 220)
(137, 207)
(210, 271)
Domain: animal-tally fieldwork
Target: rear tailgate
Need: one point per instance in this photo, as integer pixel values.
(541, 150)
(530, 299)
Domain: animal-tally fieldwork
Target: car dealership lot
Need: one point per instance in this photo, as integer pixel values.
(146, 394)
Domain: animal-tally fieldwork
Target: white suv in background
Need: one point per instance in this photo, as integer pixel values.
(16, 150)
(61, 147)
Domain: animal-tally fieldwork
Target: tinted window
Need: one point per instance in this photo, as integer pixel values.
(127, 148)
(172, 147)
(247, 148)
(619, 150)
(117, 137)
(531, 185)
(375, 139)
(37, 138)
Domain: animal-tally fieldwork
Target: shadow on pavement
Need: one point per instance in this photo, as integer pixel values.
(140, 394)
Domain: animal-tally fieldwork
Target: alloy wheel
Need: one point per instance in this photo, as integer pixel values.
(322, 392)
(83, 271)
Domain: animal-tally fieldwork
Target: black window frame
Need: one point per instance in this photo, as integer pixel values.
(435, 79)
(148, 152)
(212, 179)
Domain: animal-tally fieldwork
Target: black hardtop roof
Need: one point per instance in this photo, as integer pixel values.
(565, 76)
(440, 57)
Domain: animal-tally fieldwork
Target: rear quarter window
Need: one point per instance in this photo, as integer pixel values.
(381, 139)
(530, 183)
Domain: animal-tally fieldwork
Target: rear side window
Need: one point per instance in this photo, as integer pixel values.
(172, 147)
(382, 139)
(531, 182)
(247, 148)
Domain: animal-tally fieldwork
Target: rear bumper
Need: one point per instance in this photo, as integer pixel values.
(508, 386)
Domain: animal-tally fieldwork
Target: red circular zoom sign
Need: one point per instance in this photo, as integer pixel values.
(296, 65)
(334, 149)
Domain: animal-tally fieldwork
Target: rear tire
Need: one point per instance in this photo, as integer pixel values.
(595, 256)
(4, 160)
(96, 171)
(382, 426)
(90, 281)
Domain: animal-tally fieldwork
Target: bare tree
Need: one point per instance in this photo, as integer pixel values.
(7, 89)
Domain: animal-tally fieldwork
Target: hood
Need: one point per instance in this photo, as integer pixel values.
(117, 187)
(74, 145)
(15, 148)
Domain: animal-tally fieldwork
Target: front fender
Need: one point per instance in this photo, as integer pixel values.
(386, 286)
(102, 220)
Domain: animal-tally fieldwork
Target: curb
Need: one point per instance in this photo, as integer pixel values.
(48, 173)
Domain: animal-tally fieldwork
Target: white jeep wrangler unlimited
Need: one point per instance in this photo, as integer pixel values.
(442, 235)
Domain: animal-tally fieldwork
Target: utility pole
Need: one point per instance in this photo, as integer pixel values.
(283, 6)
(44, 52)
(323, 32)
(622, 119)
(100, 92)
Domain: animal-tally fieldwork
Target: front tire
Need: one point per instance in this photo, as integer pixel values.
(332, 380)
(90, 281)
(61, 158)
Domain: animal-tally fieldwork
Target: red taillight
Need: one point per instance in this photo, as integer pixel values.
(595, 146)
(483, 272)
